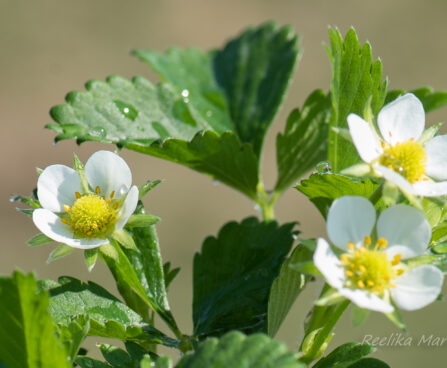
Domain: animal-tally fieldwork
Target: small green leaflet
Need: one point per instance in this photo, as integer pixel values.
(27, 332)
(305, 140)
(322, 189)
(285, 289)
(235, 350)
(356, 80)
(233, 275)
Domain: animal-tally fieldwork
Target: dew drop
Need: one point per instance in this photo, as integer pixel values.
(185, 93)
(11, 199)
(323, 167)
(98, 132)
(186, 100)
(258, 208)
(209, 113)
(127, 110)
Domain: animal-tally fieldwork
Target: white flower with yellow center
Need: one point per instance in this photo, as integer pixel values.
(85, 216)
(369, 271)
(399, 156)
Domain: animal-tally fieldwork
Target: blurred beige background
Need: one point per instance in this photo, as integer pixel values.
(51, 47)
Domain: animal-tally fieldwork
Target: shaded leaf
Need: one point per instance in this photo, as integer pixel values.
(322, 189)
(344, 355)
(233, 275)
(238, 351)
(285, 289)
(356, 80)
(305, 140)
(27, 332)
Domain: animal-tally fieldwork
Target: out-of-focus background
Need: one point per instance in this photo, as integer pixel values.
(50, 47)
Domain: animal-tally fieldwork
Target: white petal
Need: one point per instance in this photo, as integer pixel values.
(56, 186)
(402, 119)
(350, 219)
(436, 150)
(50, 224)
(328, 264)
(364, 138)
(430, 189)
(108, 171)
(367, 300)
(417, 288)
(394, 178)
(406, 229)
(128, 208)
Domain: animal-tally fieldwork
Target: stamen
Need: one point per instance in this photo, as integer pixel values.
(400, 271)
(112, 194)
(392, 285)
(362, 269)
(344, 258)
(115, 206)
(367, 240)
(64, 221)
(370, 283)
(78, 195)
(349, 273)
(382, 243)
(97, 190)
(396, 259)
(66, 208)
(361, 284)
(351, 246)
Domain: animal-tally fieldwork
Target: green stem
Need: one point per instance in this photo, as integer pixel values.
(321, 325)
(266, 203)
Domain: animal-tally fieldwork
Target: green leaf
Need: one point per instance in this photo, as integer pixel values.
(39, 239)
(344, 355)
(125, 239)
(142, 220)
(356, 81)
(285, 289)
(90, 257)
(169, 274)
(431, 100)
(369, 363)
(108, 316)
(234, 273)
(27, 332)
(304, 142)
(242, 84)
(86, 362)
(61, 251)
(323, 189)
(73, 334)
(238, 351)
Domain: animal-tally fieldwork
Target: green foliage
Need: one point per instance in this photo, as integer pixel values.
(242, 84)
(233, 275)
(304, 142)
(322, 189)
(212, 103)
(431, 100)
(350, 355)
(27, 332)
(285, 289)
(356, 82)
(108, 317)
(238, 351)
(39, 239)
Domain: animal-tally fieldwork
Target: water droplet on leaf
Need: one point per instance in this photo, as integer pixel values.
(98, 132)
(127, 110)
(323, 167)
(185, 93)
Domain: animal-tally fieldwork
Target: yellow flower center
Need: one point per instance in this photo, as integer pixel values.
(91, 215)
(407, 158)
(367, 267)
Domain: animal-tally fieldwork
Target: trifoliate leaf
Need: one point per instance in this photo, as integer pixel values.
(234, 273)
(27, 332)
(305, 140)
(356, 81)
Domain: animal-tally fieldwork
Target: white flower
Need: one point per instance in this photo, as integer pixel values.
(397, 155)
(85, 219)
(370, 273)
